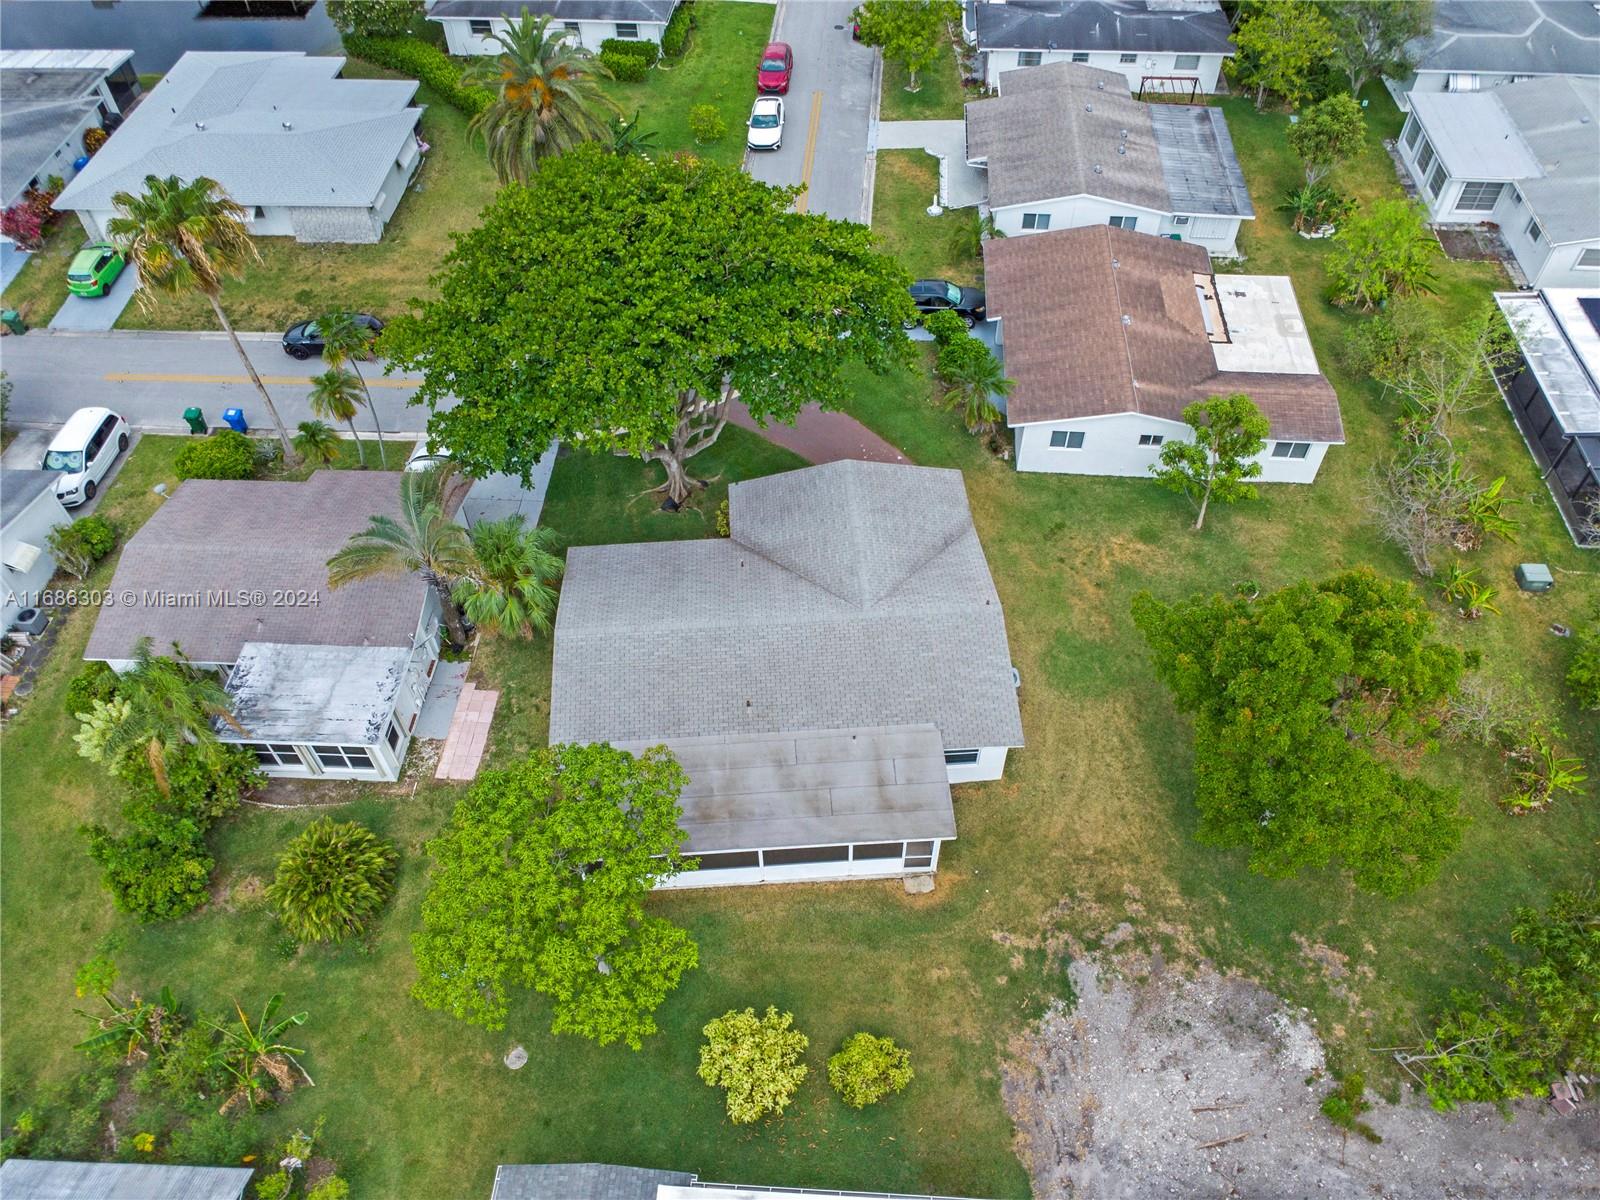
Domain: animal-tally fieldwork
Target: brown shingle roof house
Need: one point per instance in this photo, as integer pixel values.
(1100, 322)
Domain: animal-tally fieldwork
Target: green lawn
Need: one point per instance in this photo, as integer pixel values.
(946, 246)
(938, 97)
(41, 286)
(718, 67)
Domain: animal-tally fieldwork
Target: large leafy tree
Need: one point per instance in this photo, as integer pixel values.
(374, 18)
(540, 881)
(1219, 462)
(1382, 252)
(1280, 44)
(187, 238)
(1303, 703)
(625, 303)
(1327, 133)
(909, 32)
(1372, 37)
(547, 98)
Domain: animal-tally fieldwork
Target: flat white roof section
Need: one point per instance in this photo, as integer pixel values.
(1265, 329)
(339, 695)
(63, 60)
(1562, 348)
(770, 791)
(1474, 135)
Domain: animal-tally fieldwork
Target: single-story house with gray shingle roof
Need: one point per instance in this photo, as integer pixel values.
(1480, 44)
(324, 683)
(601, 1181)
(824, 674)
(1525, 156)
(48, 100)
(309, 155)
(1068, 145)
(1158, 46)
(44, 1179)
(470, 25)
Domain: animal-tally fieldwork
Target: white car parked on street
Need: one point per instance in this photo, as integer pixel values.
(766, 124)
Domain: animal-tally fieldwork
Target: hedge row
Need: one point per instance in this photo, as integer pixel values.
(423, 62)
(632, 47)
(627, 68)
(676, 35)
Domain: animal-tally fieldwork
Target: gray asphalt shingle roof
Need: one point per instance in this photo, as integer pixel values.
(1182, 26)
(658, 11)
(18, 489)
(852, 594)
(1512, 37)
(42, 1179)
(42, 101)
(276, 128)
(580, 1181)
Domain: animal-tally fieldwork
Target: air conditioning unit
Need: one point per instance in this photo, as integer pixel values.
(21, 557)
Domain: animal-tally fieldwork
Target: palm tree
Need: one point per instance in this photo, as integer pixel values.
(347, 341)
(627, 138)
(185, 238)
(318, 442)
(336, 396)
(424, 541)
(168, 702)
(511, 591)
(547, 98)
(246, 1051)
(971, 384)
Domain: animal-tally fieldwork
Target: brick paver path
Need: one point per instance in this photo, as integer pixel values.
(821, 437)
(469, 734)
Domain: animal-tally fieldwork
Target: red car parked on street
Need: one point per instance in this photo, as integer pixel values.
(777, 63)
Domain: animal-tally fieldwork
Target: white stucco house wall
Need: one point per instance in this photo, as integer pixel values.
(1526, 157)
(1158, 46)
(1476, 45)
(1109, 335)
(326, 684)
(29, 513)
(470, 26)
(308, 154)
(1066, 145)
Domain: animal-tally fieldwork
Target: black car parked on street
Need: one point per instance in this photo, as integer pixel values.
(303, 340)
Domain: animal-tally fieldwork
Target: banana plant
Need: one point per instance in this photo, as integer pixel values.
(133, 1027)
(248, 1051)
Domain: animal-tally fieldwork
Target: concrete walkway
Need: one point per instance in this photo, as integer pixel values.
(469, 734)
(821, 437)
(12, 260)
(960, 186)
(439, 705)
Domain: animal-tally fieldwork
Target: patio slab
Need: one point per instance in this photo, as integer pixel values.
(469, 734)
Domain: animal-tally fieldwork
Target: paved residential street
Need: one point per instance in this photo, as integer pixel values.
(150, 378)
(827, 112)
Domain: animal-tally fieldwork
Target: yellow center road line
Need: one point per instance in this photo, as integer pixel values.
(276, 380)
(803, 202)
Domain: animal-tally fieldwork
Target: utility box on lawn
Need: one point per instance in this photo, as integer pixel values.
(1534, 577)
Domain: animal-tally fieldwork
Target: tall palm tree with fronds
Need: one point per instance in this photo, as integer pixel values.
(318, 442)
(336, 396)
(345, 342)
(547, 98)
(187, 238)
(512, 588)
(971, 385)
(423, 541)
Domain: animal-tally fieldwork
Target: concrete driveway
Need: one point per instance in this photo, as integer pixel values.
(12, 260)
(82, 315)
(26, 452)
(960, 186)
(496, 497)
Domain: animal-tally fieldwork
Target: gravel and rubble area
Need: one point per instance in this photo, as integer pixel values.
(1157, 1084)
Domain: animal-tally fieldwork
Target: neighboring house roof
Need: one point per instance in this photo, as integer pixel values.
(1098, 321)
(580, 1181)
(250, 536)
(19, 489)
(1558, 330)
(1184, 26)
(44, 97)
(272, 128)
(1542, 133)
(1065, 129)
(849, 595)
(1512, 37)
(298, 693)
(641, 11)
(764, 791)
(41, 1179)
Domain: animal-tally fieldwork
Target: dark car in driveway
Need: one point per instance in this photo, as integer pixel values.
(940, 295)
(303, 340)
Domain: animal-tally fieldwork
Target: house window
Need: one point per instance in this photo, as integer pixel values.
(393, 736)
(919, 854)
(628, 30)
(875, 850)
(1413, 131)
(805, 854)
(1029, 58)
(1080, 56)
(1290, 449)
(1127, 58)
(1036, 220)
(481, 29)
(728, 860)
(1534, 232)
(1180, 220)
(1436, 184)
(274, 754)
(960, 758)
(1125, 222)
(1516, 197)
(1479, 196)
(575, 29)
(1151, 439)
(1066, 439)
(343, 758)
(1186, 62)
(1588, 259)
(1425, 156)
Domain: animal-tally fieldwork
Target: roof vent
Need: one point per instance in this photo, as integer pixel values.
(1116, 263)
(199, 124)
(288, 124)
(1126, 320)
(1088, 108)
(1098, 170)
(1123, 133)
(1122, 149)
(1100, 85)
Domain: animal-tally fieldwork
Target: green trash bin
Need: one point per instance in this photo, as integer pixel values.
(13, 321)
(196, 419)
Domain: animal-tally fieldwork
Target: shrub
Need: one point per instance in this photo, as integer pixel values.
(707, 124)
(756, 1059)
(946, 327)
(155, 873)
(330, 1188)
(1583, 675)
(424, 62)
(226, 454)
(94, 681)
(627, 68)
(632, 48)
(93, 139)
(381, 17)
(675, 37)
(867, 1069)
(215, 1138)
(23, 225)
(331, 879)
(202, 790)
(724, 520)
(1345, 1105)
(80, 545)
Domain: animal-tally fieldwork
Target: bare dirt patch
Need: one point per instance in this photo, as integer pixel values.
(1155, 1084)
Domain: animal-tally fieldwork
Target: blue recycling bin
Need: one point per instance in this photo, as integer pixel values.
(235, 419)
